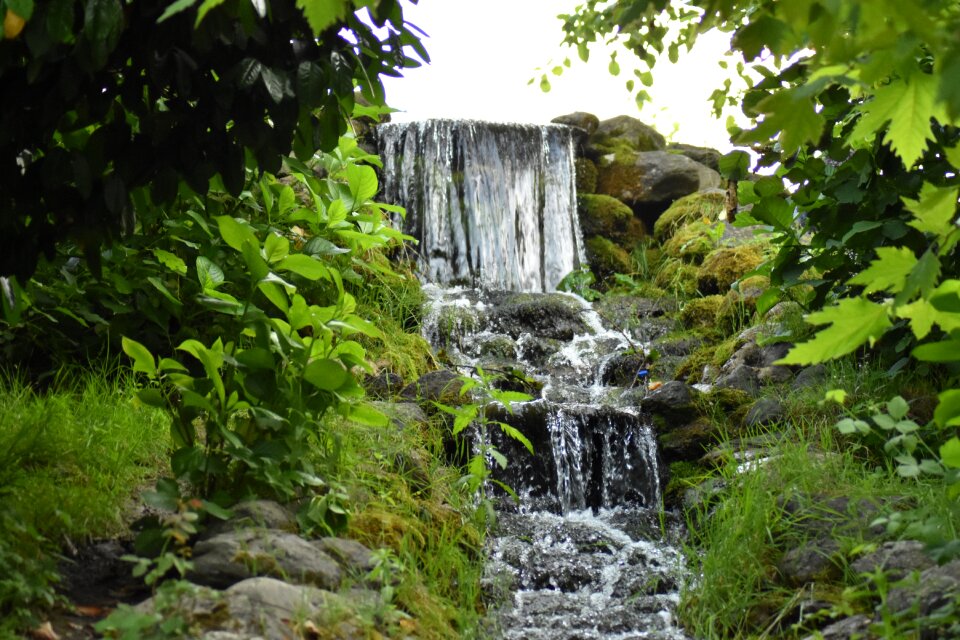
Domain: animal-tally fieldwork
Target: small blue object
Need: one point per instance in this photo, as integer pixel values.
(642, 373)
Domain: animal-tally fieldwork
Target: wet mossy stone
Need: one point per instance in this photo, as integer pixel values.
(605, 216)
(671, 405)
(727, 400)
(704, 155)
(586, 172)
(816, 561)
(726, 265)
(436, 386)
(632, 132)
(701, 313)
(707, 205)
(691, 242)
(653, 177)
(579, 119)
(606, 258)
(552, 316)
(687, 442)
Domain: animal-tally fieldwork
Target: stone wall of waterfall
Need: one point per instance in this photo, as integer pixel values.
(491, 205)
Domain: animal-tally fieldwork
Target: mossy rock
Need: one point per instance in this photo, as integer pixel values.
(677, 277)
(727, 400)
(724, 266)
(586, 173)
(690, 369)
(740, 304)
(691, 242)
(625, 132)
(701, 312)
(606, 216)
(606, 259)
(696, 206)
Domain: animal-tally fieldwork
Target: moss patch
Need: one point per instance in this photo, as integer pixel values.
(696, 206)
(690, 243)
(677, 277)
(722, 267)
(606, 259)
(602, 215)
(701, 312)
(586, 173)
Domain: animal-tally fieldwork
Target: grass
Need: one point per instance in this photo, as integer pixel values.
(70, 459)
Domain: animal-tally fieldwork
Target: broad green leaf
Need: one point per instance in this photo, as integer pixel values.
(152, 398)
(321, 14)
(836, 395)
(888, 272)
(363, 183)
(256, 265)
(143, 360)
(897, 407)
(275, 248)
(922, 278)
(23, 8)
(794, 118)
(934, 211)
(943, 351)
(735, 165)
(158, 284)
(205, 9)
(174, 8)
(305, 266)
(366, 414)
(171, 261)
(209, 273)
(516, 435)
(275, 293)
(950, 453)
(257, 358)
(235, 232)
(853, 322)
(908, 105)
(325, 374)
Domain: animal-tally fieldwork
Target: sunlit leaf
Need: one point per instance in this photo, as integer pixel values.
(852, 323)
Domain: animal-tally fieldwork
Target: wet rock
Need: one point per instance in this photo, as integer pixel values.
(704, 155)
(626, 133)
(654, 177)
(621, 370)
(230, 557)
(896, 559)
(813, 561)
(937, 587)
(552, 316)
(742, 377)
(776, 374)
(537, 350)
(436, 386)
(402, 414)
(764, 412)
(602, 215)
(586, 172)
(857, 626)
(353, 556)
(809, 377)
(606, 258)
(769, 354)
(689, 441)
(265, 514)
(383, 386)
(581, 120)
(672, 403)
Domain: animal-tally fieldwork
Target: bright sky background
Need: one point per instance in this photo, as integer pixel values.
(484, 53)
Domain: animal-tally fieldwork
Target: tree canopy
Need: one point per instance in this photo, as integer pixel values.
(112, 108)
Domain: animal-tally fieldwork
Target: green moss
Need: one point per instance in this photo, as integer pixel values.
(696, 206)
(690, 243)
(586, 173)
(677, 277)
(740, 304)
(606, 259)
(727, 401)
(602, 215)
(622, 150)
(722, 267)
(701, 312)
(690, 370)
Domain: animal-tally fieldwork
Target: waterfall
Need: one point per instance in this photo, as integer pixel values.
(491, 205)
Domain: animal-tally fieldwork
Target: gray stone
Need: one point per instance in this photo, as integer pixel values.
(896, 559)
(265, 514)
(383, 386)
(777, 374)
(673, 402)
(640, 136)
(852, 628)
(809, 377)
(936, 587)
(764, 411)
(654, 177)
(742, 377)
(814, 561)
(435, 386)
(551, 316)
(581, 120)
(353, 556)
(770, 353)
(704, 155)
(402, 414)
(230, 557)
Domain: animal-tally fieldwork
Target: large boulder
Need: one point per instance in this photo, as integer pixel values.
(703, 205)
(704, 155)
(654, 177)
(581, 120)
(624, 134)
(606, 258)
(602, 215)
(548, 315)
(725, 265)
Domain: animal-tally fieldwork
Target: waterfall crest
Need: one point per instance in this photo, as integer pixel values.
(491, 205)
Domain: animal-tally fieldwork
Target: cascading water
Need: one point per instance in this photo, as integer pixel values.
(584, 553)
(490, 205)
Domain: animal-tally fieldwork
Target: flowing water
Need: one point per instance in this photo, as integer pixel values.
(585, 552)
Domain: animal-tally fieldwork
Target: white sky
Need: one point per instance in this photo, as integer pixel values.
(484, 53)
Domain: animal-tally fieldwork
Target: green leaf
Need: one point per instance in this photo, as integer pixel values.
(23, 8)
(922, 278)
(516, 435)
(209, 273)
(853, 322)
(143, 360)
(205, 8)
(152, 398)
(174, 8)
(897, 407)
(943, 351)
(363, 183)
(305, 266)
(735, 165)
(888, 272)
(322, 14)
(950, 453)
(235, 233)
(908, 105)
(498, 457)
(171, 261)
(934, 211)
(366, 414)
(325, 374)
(275, 248)
(158, 284)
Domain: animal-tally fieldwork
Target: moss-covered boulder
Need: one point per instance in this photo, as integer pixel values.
(740, 304)
(703, 205)
(691, 242)
(602, 215)
(545, 315)
(581, 120)
(606, 258)
(586, 172)
(701, 313)
(652, 177)
(676, 276)
(724, 266)
(704, 155)
(626, 133)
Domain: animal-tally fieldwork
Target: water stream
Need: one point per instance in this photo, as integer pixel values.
(586, 551)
